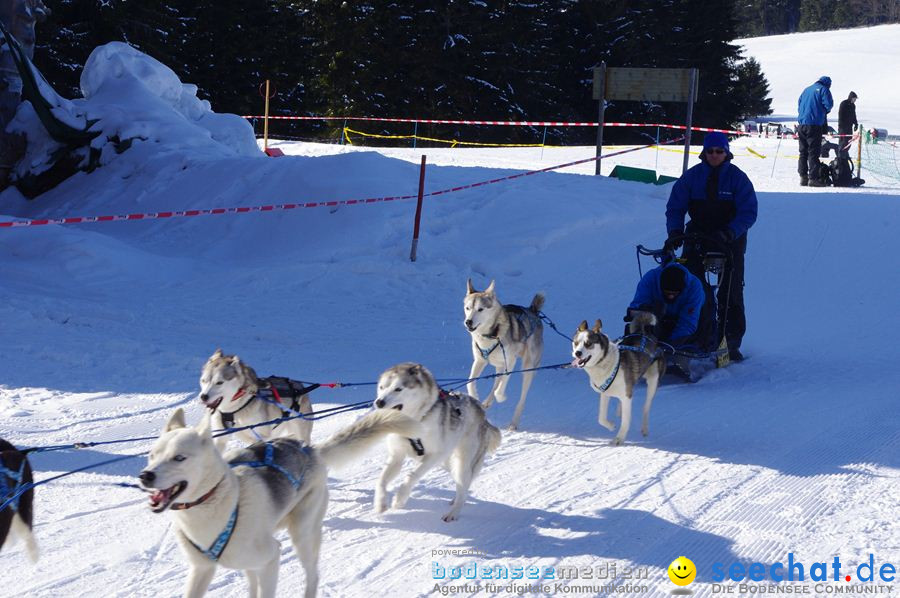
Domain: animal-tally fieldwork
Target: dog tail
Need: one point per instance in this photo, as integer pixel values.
(19, 528)
(354, 440)
(643, 322)
(493, 437)
(537, 303)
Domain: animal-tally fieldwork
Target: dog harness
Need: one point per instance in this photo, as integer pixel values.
(416, 443)
(215, 551)
(221, 542)
(527, 319)
(642, 348)
(276, 390)
(608, 382)
(5, 490)
(269, 461)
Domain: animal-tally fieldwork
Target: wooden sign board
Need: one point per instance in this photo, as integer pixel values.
(640, 84)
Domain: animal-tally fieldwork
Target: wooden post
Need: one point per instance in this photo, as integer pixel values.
(415, 241)
(859, 132)
(266, 120)
(600, 81)
(690, 116)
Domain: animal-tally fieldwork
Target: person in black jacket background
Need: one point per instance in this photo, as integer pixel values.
(847, 124)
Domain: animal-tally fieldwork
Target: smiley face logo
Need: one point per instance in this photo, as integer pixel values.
(682, 571)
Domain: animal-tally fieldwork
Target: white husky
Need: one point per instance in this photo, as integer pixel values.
(228, 511)
(500, 335)
(236, 396)
(455, 433)
(614, 369)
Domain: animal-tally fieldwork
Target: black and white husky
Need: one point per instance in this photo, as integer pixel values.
(500, 335)
(227, 509)
(16, 517)
(237, 398)
(614, 369)
(455, 433)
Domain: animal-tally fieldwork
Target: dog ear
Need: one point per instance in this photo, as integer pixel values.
(582, 327)
(598, 325)
(235, 361)
(469, 288)
(490, 289)
(204, 428)
(217, 354)
(176, 421)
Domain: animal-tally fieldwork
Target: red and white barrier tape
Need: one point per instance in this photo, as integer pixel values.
(288, 206)
(519, 123)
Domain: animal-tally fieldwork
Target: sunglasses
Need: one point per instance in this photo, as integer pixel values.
(715, 150)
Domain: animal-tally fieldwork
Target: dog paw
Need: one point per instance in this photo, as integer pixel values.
(607, 424)
(400, 498)
(645, 431)
(380, 505)
(451, 516)
(512, 427)
(616, 441)
(488, 402)
(500, 398)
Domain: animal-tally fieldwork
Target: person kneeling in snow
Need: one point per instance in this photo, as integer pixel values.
(677, 298)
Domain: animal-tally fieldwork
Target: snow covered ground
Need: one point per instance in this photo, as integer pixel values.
(105, 327)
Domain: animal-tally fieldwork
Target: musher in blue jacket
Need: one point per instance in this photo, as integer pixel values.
(676, 297)
(721, 202)
(813, 107)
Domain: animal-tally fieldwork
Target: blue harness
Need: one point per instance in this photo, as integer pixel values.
(608, 382)
(527, 319)
(5, 490)
(215, 551)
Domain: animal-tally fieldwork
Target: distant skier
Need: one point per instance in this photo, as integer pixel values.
(813, 107)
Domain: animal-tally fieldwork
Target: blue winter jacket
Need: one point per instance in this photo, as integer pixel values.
(686, 307)
(815, 103)
(689, 195)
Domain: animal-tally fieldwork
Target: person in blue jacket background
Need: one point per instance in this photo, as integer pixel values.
(721, 202)
(677, 298)
(813, 107)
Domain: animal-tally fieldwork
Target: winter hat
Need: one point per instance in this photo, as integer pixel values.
(825, 80)
(852, 95)
(715, 139)
(672, 279)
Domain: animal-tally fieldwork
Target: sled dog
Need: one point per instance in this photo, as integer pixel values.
(237, 397)
(614, 369)
(500, 335)
(16, 517)
(455, 433)
(228, 508)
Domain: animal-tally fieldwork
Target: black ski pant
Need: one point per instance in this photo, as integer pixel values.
(810, 138)
(730, 298)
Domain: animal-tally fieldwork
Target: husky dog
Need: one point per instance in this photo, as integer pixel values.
(16, 517)
(500, 335)
(231, 390)
(614, 369)
(230, 507)
(455, 433)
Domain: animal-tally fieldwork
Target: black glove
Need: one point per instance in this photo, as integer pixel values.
(672, 243)
(724, 236)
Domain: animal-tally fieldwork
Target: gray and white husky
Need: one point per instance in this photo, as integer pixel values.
(229, 507)
(614, 369)
(232, 391)
(500, 335)
(455, 433)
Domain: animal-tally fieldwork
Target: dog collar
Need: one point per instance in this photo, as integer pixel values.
(181, 506)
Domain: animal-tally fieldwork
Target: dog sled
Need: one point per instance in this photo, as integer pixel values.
(709, 259)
